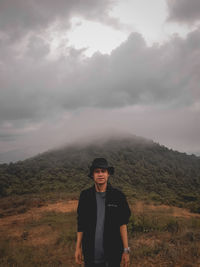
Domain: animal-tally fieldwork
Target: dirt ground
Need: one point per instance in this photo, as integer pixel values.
(71, 205)
(14, 226)
(36, 213)
(140, 206)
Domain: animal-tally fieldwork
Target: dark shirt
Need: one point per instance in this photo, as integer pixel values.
(117, 213)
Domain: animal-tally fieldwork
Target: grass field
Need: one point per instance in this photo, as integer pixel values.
(34, 232)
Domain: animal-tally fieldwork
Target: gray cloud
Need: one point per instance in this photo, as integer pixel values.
(186, 11)
(45, 101)
(137, 74)
(20, 17)
(34, 87)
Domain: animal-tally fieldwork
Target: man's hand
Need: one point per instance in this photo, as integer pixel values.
(125, 260)
(78, 256)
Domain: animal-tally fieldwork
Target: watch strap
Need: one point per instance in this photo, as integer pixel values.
(127, 250)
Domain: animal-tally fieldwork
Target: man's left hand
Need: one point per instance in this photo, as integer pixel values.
(125, 260)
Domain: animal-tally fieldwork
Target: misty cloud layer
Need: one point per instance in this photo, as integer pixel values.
(47, 100)
(187, 11)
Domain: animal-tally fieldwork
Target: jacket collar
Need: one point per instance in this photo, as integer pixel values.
(108, 188)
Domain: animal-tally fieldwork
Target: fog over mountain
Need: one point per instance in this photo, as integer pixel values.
(143, 169)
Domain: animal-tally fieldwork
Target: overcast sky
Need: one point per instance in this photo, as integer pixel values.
(71, 69)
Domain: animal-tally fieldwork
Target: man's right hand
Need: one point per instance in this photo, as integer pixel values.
(78, 256)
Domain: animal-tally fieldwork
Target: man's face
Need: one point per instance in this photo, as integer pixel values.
(100, 176)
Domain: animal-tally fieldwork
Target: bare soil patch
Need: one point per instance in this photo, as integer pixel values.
(36, 213)
(140, 206)
(71, 205)
(13, 225)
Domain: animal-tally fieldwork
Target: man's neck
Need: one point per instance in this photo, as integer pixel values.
(101, 188)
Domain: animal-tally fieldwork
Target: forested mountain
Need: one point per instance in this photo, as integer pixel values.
(143, 169)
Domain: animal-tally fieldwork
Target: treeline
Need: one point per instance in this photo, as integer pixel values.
(143, 169)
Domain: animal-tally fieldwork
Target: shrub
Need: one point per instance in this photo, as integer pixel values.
(172, 226)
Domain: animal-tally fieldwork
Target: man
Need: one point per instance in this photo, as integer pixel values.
(103, 215)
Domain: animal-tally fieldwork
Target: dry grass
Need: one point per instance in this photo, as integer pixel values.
(164, 236)
(159, 235)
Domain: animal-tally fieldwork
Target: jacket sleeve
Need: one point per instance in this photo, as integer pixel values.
(80, 213)
(125, 212)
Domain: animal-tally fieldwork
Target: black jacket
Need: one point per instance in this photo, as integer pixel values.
(117, 213)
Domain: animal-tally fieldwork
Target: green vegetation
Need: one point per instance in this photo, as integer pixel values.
(143, 170)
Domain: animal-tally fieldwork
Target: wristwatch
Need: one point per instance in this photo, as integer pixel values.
(127, 250)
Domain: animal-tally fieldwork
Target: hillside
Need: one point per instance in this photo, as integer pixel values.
(143, 169)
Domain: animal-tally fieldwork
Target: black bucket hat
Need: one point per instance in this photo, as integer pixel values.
(100, 163)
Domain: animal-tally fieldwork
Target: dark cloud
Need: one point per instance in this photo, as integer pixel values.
(37, 48)
(186, 11)
(8, 137)
(33, 87)
(137, 74)
(17, 18)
